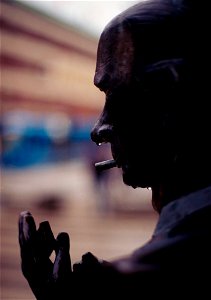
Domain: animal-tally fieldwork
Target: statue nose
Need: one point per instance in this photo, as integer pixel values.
(102, 133)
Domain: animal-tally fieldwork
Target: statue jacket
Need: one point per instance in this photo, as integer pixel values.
(177, 257)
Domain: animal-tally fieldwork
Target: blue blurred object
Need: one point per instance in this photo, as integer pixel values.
(25, 150)
(81, 131)
(29, 141)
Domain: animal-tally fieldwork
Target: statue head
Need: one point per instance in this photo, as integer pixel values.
(148, 69)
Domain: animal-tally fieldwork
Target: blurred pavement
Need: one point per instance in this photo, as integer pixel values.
(67, 196)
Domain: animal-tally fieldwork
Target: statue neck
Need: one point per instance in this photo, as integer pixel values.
(165, 193)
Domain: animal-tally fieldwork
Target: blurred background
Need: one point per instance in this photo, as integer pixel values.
(48, 107)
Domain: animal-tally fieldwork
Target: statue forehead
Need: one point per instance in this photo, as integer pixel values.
(115, 52)
(135, 37)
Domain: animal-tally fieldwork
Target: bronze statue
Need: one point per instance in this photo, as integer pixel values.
(151, 64)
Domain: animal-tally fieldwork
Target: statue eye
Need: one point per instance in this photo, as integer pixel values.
(103, 89)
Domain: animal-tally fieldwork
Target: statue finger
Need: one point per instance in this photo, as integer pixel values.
(27, 240)
(27, 230)
(62, 265)
(46, 242)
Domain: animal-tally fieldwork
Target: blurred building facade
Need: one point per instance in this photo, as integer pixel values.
(47, 90)
(45, 65)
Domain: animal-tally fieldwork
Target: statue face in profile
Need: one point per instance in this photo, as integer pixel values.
(131, 118)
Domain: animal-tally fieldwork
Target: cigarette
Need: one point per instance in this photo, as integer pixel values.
(105, 165)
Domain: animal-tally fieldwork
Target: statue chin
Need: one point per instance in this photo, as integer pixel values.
(133, 178)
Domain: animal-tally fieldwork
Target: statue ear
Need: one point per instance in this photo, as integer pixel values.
(163, 75)
(164, 82)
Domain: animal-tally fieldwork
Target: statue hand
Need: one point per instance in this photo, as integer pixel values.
(48, 280)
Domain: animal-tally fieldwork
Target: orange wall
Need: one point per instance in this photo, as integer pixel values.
(46, 65)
